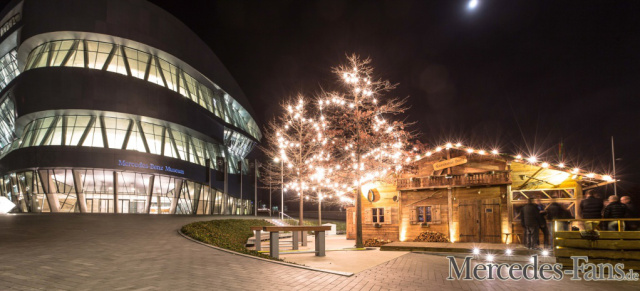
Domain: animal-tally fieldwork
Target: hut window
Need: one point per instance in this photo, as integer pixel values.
(377, 215)
(424, 214)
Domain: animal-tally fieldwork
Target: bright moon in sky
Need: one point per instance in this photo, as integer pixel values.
(472, 4)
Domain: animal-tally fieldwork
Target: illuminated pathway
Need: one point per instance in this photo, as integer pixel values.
(139, 252)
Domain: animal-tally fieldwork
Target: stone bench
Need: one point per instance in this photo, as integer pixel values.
(274, 235)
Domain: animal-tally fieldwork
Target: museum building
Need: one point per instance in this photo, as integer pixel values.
(115, 106)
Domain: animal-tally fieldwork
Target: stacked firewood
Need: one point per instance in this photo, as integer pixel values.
(431, 236)
(375, 242)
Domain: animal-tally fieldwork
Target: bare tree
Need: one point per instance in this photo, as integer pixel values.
(295, 140)
(367, 143)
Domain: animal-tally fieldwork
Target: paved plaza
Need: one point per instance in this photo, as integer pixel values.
(141, 252)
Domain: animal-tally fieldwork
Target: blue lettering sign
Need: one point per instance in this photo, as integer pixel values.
(141, 165)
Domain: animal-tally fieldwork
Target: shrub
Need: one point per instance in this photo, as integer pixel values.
(231, 234)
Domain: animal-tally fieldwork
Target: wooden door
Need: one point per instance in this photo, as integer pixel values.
(490, 222)
(469, 226)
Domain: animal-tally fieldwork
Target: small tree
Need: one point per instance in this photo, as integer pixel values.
(367, 144)
(295, 139)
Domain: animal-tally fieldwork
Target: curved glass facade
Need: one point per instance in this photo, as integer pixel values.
(64, 148)
(9, 24)
(7, 122)
(107, 191)
(138, 64)
(8, 68)
(124, 134)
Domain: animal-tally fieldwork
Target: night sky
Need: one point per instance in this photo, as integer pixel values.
(522, 76)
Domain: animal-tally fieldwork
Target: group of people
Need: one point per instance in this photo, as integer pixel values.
(535, 217)
(594, 208)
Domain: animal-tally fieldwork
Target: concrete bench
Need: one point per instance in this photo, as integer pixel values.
(274, 235)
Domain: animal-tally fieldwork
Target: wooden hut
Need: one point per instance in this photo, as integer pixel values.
(468, 195)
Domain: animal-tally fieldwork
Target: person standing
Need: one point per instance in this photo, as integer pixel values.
(531, 224)
(615, 209)
(632, 212)
(556, 211)
(591, 208)
(546, 232)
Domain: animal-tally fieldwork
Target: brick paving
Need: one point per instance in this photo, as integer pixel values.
(139, 252)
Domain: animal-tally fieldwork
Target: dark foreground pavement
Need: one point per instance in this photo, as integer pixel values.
(140, 252)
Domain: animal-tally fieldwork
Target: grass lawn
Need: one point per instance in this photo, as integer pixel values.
(231, 234)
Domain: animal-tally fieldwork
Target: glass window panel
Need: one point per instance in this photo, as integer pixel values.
(94, 136)
(181, 144)
(132, 192)
(42, 57)
(164, 193)
(168, 146)
(97, 186)
(76, 125)
(188, 86)
(56, 135)
(8, 68)
(7, 122)
(153, 134)
(60, 52)
(155, 74)
(63, 181)
(98, 52)
(41, 131)
(170, 74)
(137, 62)
(77, 56)
(117, 64)
(116, 129)
(135, 140)
(32, 56)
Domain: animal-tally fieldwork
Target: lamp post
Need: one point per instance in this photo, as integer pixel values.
(270, 207)
(281, 186)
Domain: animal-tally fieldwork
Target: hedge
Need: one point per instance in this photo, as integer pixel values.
(231, 234)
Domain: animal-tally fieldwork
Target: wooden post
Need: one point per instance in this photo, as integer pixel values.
(450, 212)
(510, 213)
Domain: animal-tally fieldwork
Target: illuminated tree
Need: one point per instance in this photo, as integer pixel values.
(295, 140)
(367, 144)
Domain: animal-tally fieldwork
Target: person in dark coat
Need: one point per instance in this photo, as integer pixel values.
(530, 215)
(591, 208)
(632, 212)
(556, 211)
(544, 227)
(615, 209)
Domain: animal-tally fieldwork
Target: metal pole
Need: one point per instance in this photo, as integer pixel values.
(282, 189)
(613, 158)
(240, 168)
(225, 200)
(255, 189)
(270, 207)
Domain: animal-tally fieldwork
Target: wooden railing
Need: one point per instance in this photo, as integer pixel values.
(602, 240)
(470, 179)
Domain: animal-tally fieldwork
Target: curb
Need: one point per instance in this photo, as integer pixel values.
(346, 274)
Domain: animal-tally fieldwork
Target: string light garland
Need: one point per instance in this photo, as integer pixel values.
(532, 160)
